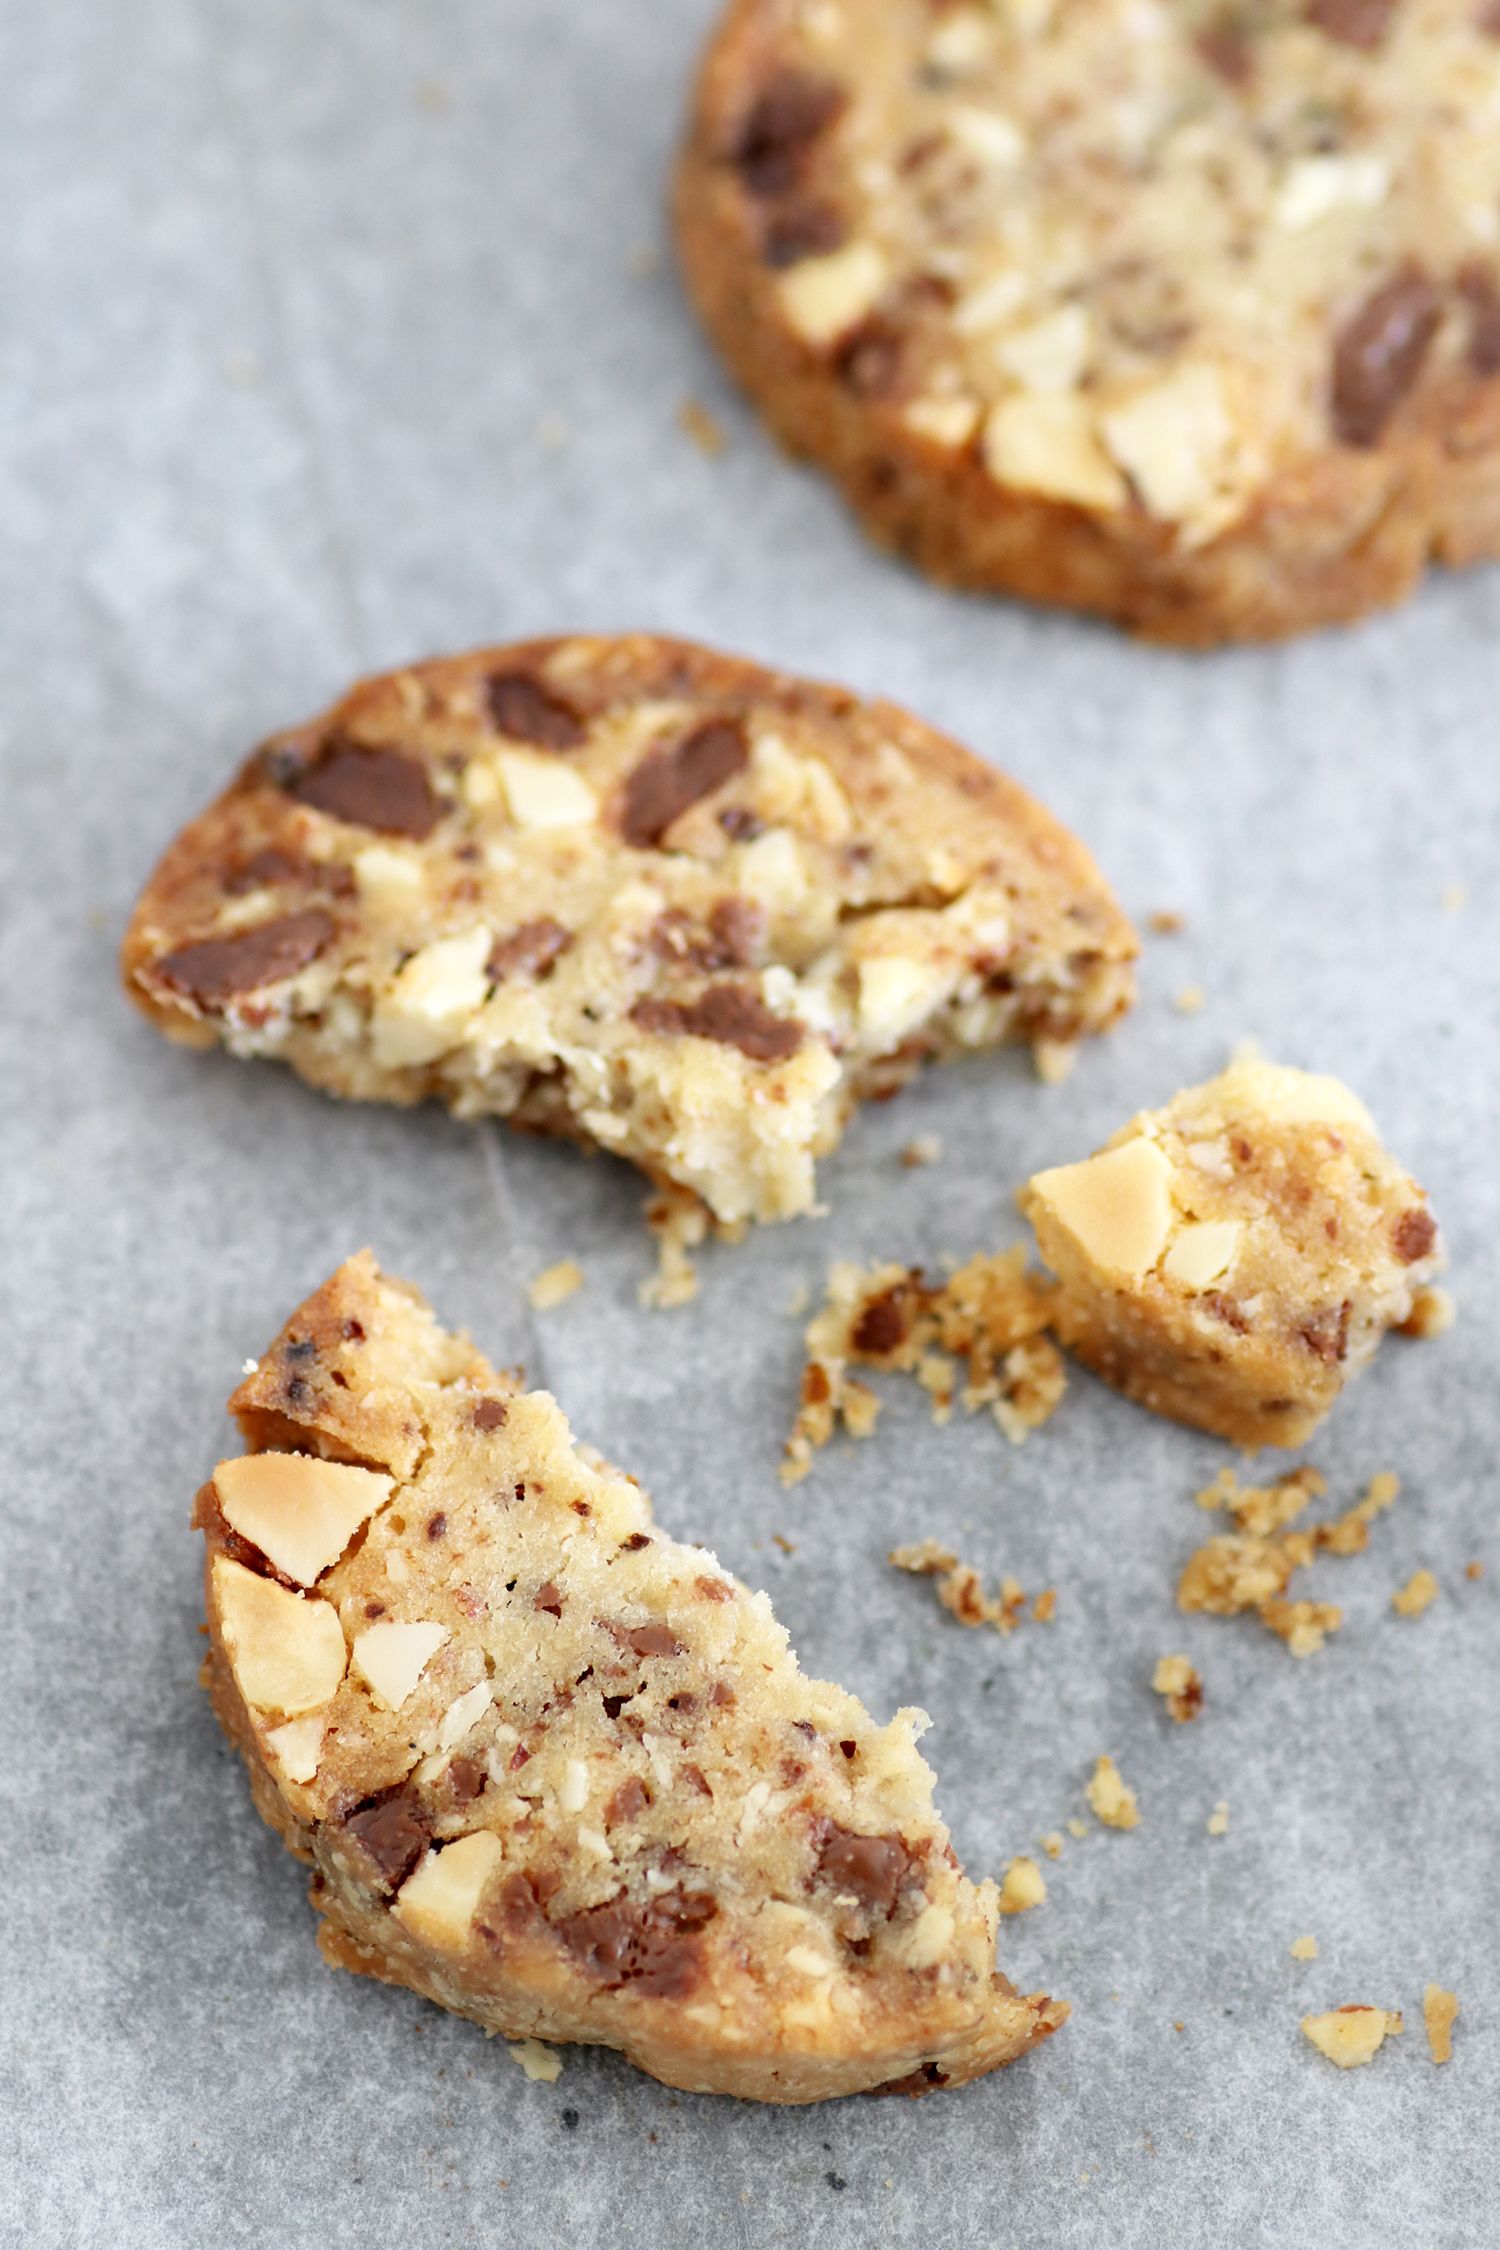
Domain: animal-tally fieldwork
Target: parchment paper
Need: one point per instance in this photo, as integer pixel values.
(335, 332)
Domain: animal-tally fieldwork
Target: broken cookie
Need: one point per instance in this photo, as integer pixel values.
(555, 1771)
(661, 901)
(1231, 1260)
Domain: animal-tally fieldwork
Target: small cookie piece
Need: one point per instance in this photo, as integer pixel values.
(661, 901)
(1190, 317)
(1231, 1260)
(555, 1771)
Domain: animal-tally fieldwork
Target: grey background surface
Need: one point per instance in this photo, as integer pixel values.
(288, 291)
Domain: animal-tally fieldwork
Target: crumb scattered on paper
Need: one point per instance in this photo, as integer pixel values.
(554, 1285)
(1251, 1568)
(681, 1222)
(1023, 1887)
(1433, 1313)
(1052, 1844)
(1111, 1797)
(1191, 1000)
(1351, 2035)
(784, 1544)
(1182, 1685)
(697, 423)
(1165, 921)
(1053, 1059)
(1304, 1949)
(538, 2061)
(977, 1339)
(1439, 2014)
(1417, 1595)
(960, 1588)
(1473, 1570)
(1077, 1828)
(1217, 1822)
(925, 1149)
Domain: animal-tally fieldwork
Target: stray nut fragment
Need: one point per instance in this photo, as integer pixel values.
(1182, 1685)
(1113, 1802)
(1024, 1886)
(391, 1657)
(1351, 2035)
(286, 1650)
(1418, 1594)
(541, 2063)
(299, 1511)
(439, 1900)
(1439, 2015)
(555, 1284)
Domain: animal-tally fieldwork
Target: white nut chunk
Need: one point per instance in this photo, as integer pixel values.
(823, 297)
(431, 1000)
(300, 1512)
(1044, 442)
(543, 792)
(391, 1657)
(1117, 1207)
(286, 1650)
(439, 1900)
(1352, 2035)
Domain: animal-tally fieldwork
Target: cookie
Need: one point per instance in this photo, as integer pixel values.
(1233, 1259)
(1178, 311)
(666, 902)
(552, 1769)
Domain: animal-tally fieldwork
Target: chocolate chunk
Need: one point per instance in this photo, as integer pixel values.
(882, 1325)
(1481, 293)
(647, 1640)
(873, 1869)
(1228, 50)
(489, 1413)
(1326, 1335)
(1415, 1234)
(777, 134)
(732, 1014)
(549, 1599)
(214, 971)
(1379, 355)
(801, 230)
(1353, 23)
(392, 1833)
(264, 869)
(369, 788)
(654, 1947)
(437, 1525)
(628, 1803)
(531, 950)
(465, 1778)
(667, 782)
(522, 707)
(871, 360)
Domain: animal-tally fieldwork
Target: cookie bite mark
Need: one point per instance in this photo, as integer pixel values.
(562, 1775)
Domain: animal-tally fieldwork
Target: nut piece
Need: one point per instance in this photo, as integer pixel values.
(1418, 1594)
(300, 1512)
(1113, 1801)
(391, 1657)
(1117, 1206)
(1304, 1949)
(1350, 2036)
(895, 993)
(1173, 441)
(439, 1900)
(823, 297)
(1044, 442)
(543, 792)
(1203, 1252)
(430, 1001)
(540, 2062)
(1024, 1886)
(297, 1748)
(1439, 2014)
(286, 1651)
(1181, 1683)
(464, 1714)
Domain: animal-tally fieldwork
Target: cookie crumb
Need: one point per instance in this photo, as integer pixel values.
(1191, 1000)
(1077, 1828)
(925, 1149)
(1052, 1844)
(960, 1586)
(1165, 921)
(1433, 1313)
(540, 2062)
(1053, 1059)
(978, 1338)
(680, 1221)
(1044, 1605)
(1473, 1570)
(1217, 1822)
(1304, 1949)
(697, 423)
(1350, 2036)
(554, 1285)
(1439, 2014)
(1454, 899)
(1417, 1595)
(1252, 1567)
(785, 1545)
(1112, 1799)
(1023, 1887)
(1182, 1685)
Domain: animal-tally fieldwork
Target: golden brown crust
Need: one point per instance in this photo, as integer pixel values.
(666, 947)
(556, 1815)
(1332, 535)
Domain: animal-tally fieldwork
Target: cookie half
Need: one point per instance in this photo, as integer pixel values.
(1185, 313)
(664, 901)
(555, 1771)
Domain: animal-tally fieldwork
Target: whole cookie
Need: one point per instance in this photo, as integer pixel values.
(1182, 313)
(664, 901)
